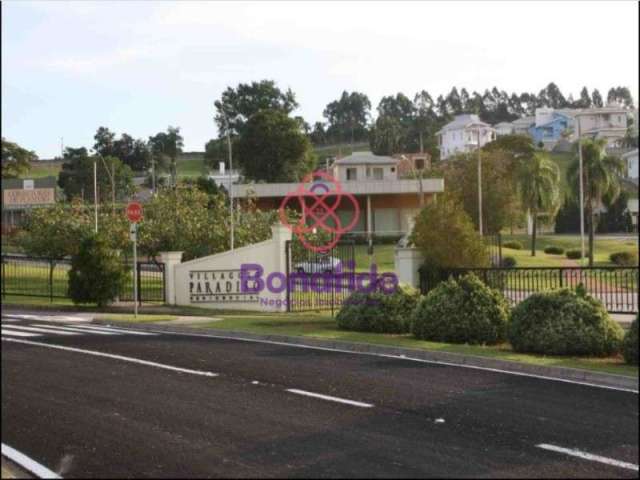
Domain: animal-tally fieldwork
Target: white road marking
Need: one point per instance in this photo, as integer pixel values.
(329, 398)
(19, 334)
(47, 318)
(115, 357)
(588, 456)
(27, 463)
(397, 357)
(112, 329)
(40, 330)
(9, 320)
(76, 329)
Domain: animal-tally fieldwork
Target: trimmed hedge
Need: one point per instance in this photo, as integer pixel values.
(379, 312)
(563, 322)
(574, 254)
(513, 245)
(630, 343)
(552, 250)
(509, 262)
(462, 311)
(624, 258)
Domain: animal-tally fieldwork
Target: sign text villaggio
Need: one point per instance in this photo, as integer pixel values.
(218, 286)
(36, 196)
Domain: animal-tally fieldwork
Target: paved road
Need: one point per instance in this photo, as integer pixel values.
(104, 402)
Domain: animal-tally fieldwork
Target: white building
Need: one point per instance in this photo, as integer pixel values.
(521, 126)
(631, 159)
(609, 122)
(503, 128)
(461, 135)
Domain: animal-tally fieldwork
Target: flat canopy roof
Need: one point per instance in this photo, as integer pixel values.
(382, 187)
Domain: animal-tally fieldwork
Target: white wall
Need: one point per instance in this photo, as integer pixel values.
(463, 140)
(214, 281)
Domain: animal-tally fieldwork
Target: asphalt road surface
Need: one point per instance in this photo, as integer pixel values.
(89, 401)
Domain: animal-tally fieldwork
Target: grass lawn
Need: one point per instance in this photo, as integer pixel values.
(604, 247)
(192, 166)
(43, 169)
(320, 326)
(383, 257)
(129, 317)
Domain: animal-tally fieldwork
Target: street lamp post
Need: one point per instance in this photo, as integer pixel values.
(231, 219)
(95, 193)
(479, 186)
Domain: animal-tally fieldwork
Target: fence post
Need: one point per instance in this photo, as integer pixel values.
(561, 271)
(499, 249)
(138, 278)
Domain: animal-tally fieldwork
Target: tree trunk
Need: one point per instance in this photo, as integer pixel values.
(421, 144)
(591, 232)
(534, 233)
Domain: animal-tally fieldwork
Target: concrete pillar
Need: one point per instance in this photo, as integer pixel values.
(407, 262)
(170, 260)
(369, 217)
(280, 235)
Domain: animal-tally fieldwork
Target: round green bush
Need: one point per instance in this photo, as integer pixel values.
(513, 245)
(630, 344)
(97, 273)
(562, 322)
(624, 258)
(379, 312)
(509, 262)
(574, 254)
(551, 250)
(462, 311)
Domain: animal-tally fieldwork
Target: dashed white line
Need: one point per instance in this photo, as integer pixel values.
(18, 334)
(115, 357)
(117, 330)
(76, 329)
(39, 330)
(329, 398)
(27, 463)
(588, 456)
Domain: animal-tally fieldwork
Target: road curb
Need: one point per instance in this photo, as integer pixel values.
(555, 373)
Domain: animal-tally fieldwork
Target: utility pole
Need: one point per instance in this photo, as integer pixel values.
(95, 192)
(581, 189)
(112, 177)
(231, 219)
(479, 186)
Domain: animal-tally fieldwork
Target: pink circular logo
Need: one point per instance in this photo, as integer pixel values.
(318, 196)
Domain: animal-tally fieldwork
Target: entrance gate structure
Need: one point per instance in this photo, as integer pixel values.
(318, 280)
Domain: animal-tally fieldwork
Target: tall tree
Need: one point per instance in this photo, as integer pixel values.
(347, 117)
(621, 95)
(538, 187)
(601, 180)
(104, 141)
(76, 176)
(273, 149)
(16, 161)
(166, 146)
(240, 103)
(585, 99)
(596, 98)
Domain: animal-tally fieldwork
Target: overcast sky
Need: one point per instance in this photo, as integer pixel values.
(70, 67)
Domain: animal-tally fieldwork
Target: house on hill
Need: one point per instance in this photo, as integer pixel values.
(462, 135)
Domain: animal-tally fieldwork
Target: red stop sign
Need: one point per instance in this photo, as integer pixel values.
(134, 212)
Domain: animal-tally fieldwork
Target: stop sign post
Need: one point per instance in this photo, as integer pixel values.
(134, 214)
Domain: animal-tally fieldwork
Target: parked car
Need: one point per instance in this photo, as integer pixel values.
(318, 265)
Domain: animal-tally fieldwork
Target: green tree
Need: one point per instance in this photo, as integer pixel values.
(596, 99)
(386, 137)
(76, 176)
(16, 161)
(538, 187)
(165, 147)
(601, 180)
(237, 105)
(272, 148)
(585, 99)
(348, 116)
(54, 232)
(462, 246)
(97, 273)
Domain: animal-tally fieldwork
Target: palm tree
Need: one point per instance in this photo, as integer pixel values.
(538, 179)
(601, 181)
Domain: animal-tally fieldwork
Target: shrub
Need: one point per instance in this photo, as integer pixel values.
(460, 247)
(630, 344)
(551, 250)
(462, 311)
(624, 258)
(574, 254)
(379, 312)
(563, 322)
(97, 274)
(513, 245)
(509, 262)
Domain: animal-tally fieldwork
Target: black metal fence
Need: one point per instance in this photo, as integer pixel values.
(319, 281)
(615, 287)
(38, 277)
(494, 246)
